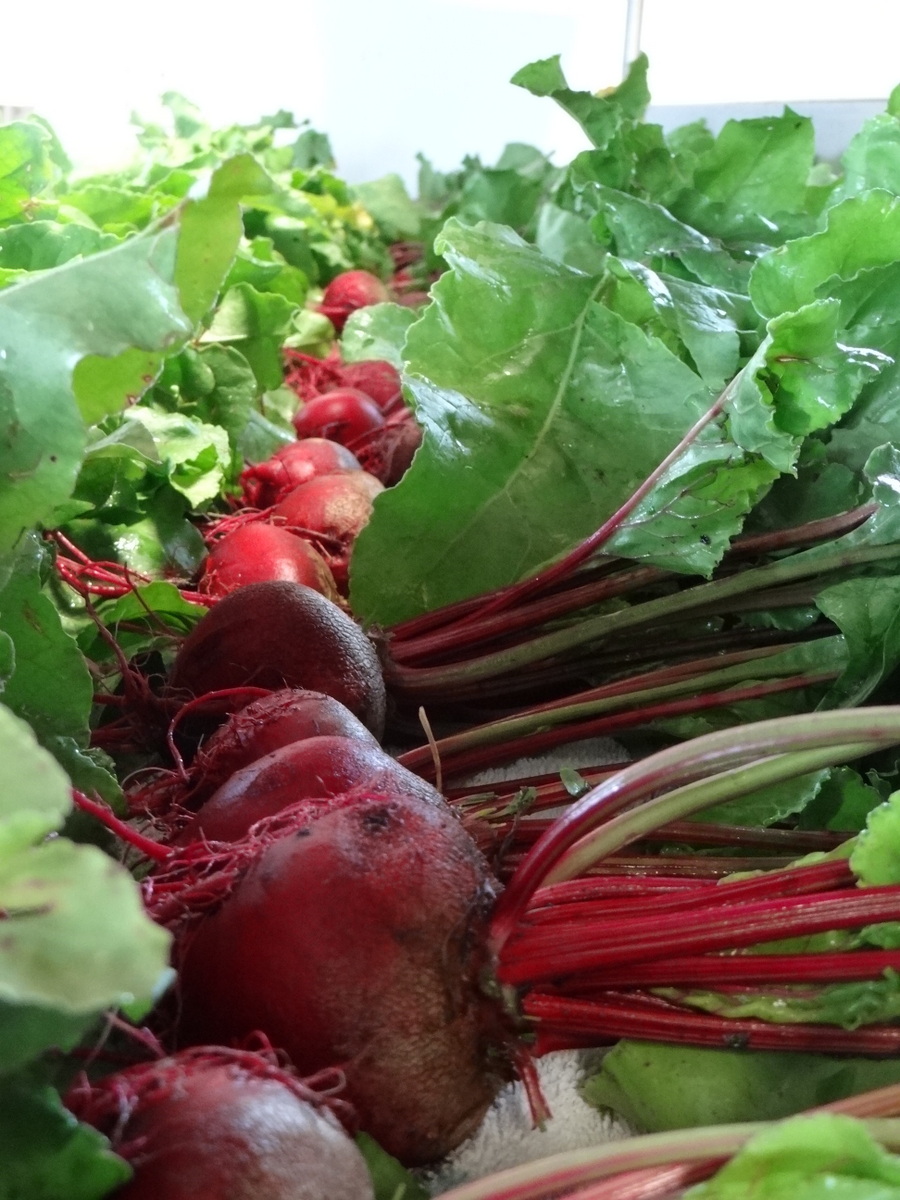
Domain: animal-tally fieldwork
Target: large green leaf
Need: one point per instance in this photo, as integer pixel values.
(542, 412)
(103, 305)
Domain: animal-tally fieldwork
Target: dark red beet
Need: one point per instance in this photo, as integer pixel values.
(208, 1125)
(343, 415)
(349, 291)
(276, 635)
(358, 942)
(331, 510)
(374, 376)
(266, 482)
(256, 552)
(387, 453)
(302, 770)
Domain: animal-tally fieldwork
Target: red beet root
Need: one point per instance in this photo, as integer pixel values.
(387, 453)
(357, 942)
(276, 635)
(316, 767)
(331, 510)
(343, 416)
(349, 291)
(374, 376)
(266, 482)
(255, 730)
(257, 552)
(213, 1124)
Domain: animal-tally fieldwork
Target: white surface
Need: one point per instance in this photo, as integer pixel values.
(388, 79)
(507, 1137)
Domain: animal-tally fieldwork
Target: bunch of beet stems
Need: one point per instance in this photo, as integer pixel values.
(497, 645)
(660, 1166)
(587, 957)
(541, 632)
(520, 811)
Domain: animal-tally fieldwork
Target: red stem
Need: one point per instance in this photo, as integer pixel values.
(576, 1023)
(723, 972)
(546, 953)
(146, 846)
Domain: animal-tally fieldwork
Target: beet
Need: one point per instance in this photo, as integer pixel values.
(343, 415)
(278, 634)
(266, 482)
(374, 376)
(250, 733)
(387, 453)
(214, 1124)
(331, 510)
(357, 941)
(349, 291)
(256, 552)
(316, 767)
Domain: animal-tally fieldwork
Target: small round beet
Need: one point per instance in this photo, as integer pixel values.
(256, 552)
(349, 291)
(212, 1124)
(255, 730)
(279, 634)
(264, 483)
(342, 415)
(314, 768)
(331, 510)
(374, 376)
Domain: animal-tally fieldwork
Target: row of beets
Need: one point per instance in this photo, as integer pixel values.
(322, 897)
(319, 894)
(302, 509)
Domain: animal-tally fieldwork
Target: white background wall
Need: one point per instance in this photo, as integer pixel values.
(387, 78)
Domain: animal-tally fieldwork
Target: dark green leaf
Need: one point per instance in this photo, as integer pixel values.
(47, 1155)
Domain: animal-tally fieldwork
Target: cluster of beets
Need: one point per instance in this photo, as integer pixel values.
(301, 509)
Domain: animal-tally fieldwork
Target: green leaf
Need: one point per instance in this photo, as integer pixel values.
(212, 228)
(41, 245)
(26, 1030)
(389, 204)
(390, 1180)
(47, 1155)
(103, 305)
(861, 233)
(377, 331)
(50, 687)
(876, 854)
(511, 369)
(769, 805)
(869, 619)
(195, 456)
(68, 905)
(255, 323)
(600, 114)
(812, 1157)
(657, 1086)
(35, 793)
(26, 166)
(752, 184)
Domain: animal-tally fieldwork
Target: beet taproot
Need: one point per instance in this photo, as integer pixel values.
(214, 1124)
(264, 483)
(314, 767)
(279, 634)
(331, 510)
(256, 552)
(349, 291)
(357, 941)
